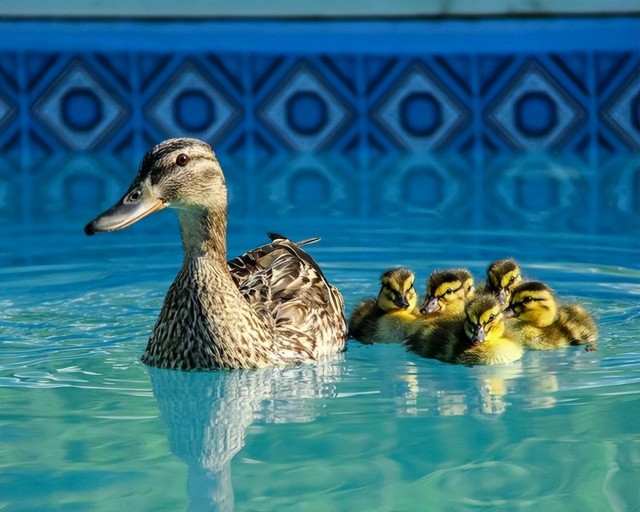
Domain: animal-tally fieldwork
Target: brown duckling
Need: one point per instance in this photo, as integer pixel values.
(545, 324)
(480, 337)
(387, 318)
(502, 276)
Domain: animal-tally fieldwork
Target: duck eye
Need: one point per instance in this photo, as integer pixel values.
(449, 290)
(526, 299)
(491, 319)
(182, 159)
(134, 195)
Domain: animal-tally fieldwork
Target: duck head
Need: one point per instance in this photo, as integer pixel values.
(397, 292)
(533, 302)
(484, 319)
(502, 276)
(447, 290)
(177, 173)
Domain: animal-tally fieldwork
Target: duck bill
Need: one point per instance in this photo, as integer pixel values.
(401, 302)
(124, 213)
(430, 306)
(502, 296)
(509, 312)
(478, 335)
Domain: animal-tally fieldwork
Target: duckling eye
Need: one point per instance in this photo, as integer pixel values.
(449, 290)
(182, 159)
(526, 299)
(491, 319)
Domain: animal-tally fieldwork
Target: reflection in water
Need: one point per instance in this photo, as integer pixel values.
(207, 415)
(431, 388)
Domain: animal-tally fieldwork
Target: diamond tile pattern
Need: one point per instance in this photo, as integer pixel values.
(496, 137)
(79, 108)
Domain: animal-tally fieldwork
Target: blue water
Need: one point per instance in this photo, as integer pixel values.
(85, 426)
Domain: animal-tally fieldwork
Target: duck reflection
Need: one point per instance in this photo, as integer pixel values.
(481, 391)
(207, 415)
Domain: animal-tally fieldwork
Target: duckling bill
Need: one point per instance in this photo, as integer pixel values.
(271, 306)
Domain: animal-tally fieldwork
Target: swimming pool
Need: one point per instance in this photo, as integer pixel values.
(85, 425)
(426, 143)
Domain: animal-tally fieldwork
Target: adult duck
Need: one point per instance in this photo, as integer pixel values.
(270, 306)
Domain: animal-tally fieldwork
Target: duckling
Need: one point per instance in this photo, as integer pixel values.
(387, 319)
(502, 276)
(480, 337)
(446, 292)
(544, 324)
(271, 306)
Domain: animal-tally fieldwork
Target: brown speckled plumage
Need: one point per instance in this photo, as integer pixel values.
(270, 306)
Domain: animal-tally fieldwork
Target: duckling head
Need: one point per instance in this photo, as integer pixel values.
(177, 173)
(533, 302)
(397, 292)
(447, 290)
(502, 276)
(484, 319)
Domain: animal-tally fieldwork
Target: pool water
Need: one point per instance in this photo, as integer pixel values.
(84, 425)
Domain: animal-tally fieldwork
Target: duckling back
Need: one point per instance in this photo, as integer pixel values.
(364, 320)
(578, 325)
(442, 339)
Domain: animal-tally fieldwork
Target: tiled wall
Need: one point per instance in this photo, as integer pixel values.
(501, 123)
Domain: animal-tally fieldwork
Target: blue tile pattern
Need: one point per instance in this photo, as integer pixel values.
(355, 119)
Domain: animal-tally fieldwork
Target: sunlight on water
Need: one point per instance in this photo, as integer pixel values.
(86, 425)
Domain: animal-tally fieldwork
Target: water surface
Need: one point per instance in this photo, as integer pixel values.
(86, 426)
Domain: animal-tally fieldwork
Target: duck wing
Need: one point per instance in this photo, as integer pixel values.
(251, 262)
(293, 295)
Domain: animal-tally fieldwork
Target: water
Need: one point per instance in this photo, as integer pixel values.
(85, 426)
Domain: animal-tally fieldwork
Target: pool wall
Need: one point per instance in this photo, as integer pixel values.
(508, 123)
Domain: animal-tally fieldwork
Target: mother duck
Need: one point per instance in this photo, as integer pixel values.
(270, 306)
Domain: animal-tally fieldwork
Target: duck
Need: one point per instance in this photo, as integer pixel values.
(545, 324)
(387, 318)
(502, 276)
(481, 337)
(271, 306)
(446, 292)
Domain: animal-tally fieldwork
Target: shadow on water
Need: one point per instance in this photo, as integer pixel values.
(207, 415)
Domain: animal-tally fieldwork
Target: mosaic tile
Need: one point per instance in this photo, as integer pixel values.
(79, 108)
(496, 134)
(192, 104)
(304, 110)
(419, 112)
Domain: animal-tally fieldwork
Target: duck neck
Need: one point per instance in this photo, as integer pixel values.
(204, 234)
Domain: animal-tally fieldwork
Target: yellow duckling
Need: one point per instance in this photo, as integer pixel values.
(544, 324)
(446, 292)
(270, 306)
(502, 276)
(388, 318)
(480, 338)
